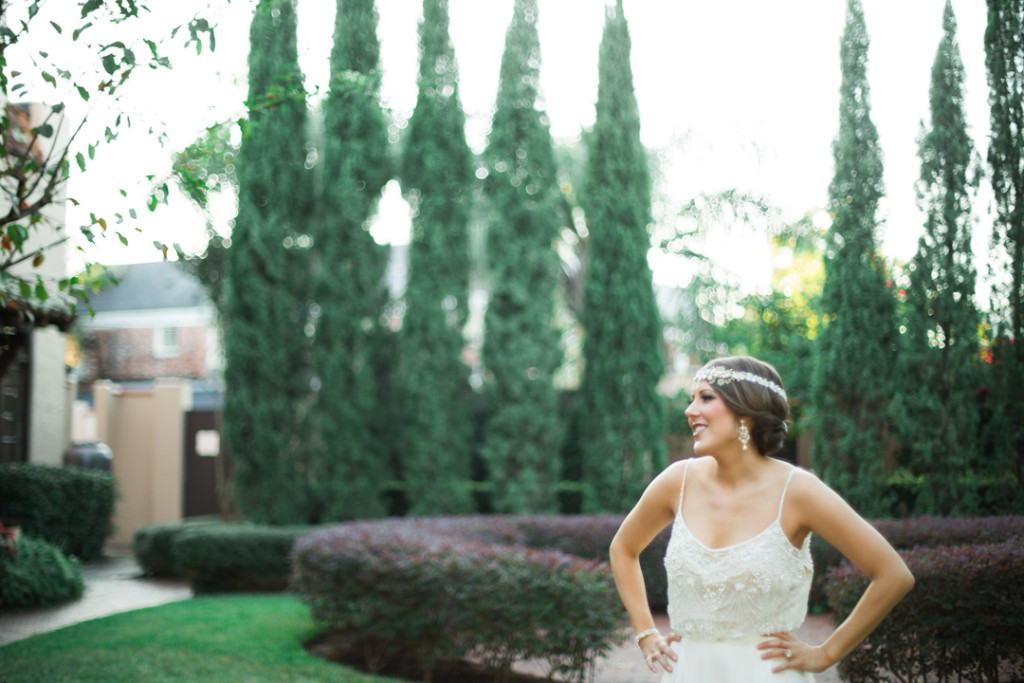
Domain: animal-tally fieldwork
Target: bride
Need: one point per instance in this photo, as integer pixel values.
(738, 561)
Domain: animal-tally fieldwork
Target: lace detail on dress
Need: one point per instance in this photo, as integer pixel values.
(751, 588)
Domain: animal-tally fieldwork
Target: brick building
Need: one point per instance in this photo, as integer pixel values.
(157, 323)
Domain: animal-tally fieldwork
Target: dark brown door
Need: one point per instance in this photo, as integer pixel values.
(206, 464)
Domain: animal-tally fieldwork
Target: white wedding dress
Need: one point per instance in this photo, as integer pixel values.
(723, 601)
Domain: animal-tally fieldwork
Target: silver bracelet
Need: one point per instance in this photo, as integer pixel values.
(643, 634)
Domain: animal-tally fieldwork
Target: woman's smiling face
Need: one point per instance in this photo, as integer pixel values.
(713, 423)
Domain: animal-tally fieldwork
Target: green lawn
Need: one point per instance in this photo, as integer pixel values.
(221, 638)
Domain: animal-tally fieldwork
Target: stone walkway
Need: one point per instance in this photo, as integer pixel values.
(114, 584)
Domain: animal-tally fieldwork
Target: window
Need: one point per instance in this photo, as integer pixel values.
(165, 342)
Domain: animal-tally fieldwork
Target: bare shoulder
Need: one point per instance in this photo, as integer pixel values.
(821, 509)
(665, 487)
(810, 495)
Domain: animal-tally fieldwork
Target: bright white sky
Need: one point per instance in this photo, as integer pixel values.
(738, 94)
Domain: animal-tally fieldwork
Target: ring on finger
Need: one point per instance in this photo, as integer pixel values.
(789, 653)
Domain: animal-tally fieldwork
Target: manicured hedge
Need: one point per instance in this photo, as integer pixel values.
(229, 557)
(69, 507)
(925, 532)
(153, 546)
(962, 621)
(34, 573)
(437, 590)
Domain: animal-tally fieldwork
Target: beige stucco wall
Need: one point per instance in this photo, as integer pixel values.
(48, 424)
(146, 432)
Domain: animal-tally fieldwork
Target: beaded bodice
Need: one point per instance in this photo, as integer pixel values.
(751, 588)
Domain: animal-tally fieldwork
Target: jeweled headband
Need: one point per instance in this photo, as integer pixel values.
(716, 374)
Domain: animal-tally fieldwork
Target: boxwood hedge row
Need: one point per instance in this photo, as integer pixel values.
(218, 557)
(69, 507)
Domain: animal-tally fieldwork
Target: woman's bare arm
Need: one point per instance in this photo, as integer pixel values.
(653, 512)
(821, 510)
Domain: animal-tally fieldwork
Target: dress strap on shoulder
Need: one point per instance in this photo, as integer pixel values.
(782, 499)
(682, 487)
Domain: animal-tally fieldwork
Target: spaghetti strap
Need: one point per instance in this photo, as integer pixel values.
(682, 487)
(782, 499)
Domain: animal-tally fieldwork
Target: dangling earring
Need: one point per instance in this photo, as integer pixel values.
(743, 435)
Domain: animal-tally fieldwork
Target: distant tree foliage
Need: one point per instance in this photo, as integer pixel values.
(521, 345)
(621, 414)
(266, 353)
(1004, 59)
(852, 383)
(348, 274)
(431, 382)
(935, 405)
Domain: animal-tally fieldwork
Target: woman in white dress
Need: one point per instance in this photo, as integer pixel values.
(738, 561)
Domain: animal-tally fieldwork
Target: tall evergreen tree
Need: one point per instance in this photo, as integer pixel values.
(937, 375)
(431, 380)
(621, 413)
(349, 277)
(266, 367)
(852, 380)
(1004, 59)
(521, 345)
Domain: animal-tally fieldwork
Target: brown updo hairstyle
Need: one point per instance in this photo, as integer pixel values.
(767, 411)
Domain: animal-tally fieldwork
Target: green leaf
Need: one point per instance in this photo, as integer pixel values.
(81, 160)
(26, 289)
(124, 240)
(92, 152)
(57, 108)
(91, 6)
(123, 193)
(45, 130)
(109, 64)
(132, 213)
(83, 93)
(56, 27)
(78, 31)
(41, 292)
(49, 79)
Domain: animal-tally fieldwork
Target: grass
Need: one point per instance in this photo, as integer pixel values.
(220, 638)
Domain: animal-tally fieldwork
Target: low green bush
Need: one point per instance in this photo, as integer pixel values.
(227, 557)
(961, 622)
(153, 546)
(34, 573)
(440, 590)
(68, 507)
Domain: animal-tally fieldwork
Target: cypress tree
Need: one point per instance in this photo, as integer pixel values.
(431, 381)
(1004, 57)
(266, 366)
(621, 416)
(938, 414)
(521, 345)
(852, 379)
(349, 277)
